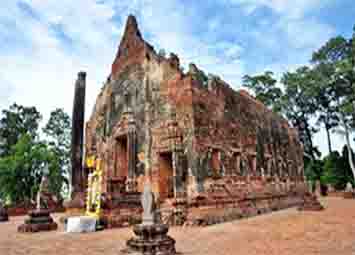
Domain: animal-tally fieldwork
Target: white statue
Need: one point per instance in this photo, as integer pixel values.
(148, 205)
(43, 187)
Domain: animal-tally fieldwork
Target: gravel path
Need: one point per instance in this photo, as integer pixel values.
(330, 232)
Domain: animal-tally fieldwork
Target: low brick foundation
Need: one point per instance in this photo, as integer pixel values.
(39, 220)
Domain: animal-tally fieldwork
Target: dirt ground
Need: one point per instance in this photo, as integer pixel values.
(331, 231)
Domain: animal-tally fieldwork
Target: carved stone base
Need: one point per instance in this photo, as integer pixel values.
(39, 220)
(151, 239)
(310, 203)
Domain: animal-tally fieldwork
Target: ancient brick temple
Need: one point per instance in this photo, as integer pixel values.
(211, 153)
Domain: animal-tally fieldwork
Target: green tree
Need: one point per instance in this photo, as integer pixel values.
(15, 122)
(313, 170)
(21, 170)
(58, 131)
(299, 106)
(24, 156)
(265, 89)
(324, 93)
(340, 53)
(336, 170)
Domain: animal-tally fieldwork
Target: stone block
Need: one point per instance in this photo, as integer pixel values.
(81, 224)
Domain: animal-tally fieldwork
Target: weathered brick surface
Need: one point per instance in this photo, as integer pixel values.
(191, 135)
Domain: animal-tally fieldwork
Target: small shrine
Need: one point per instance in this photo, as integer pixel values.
(40, 218)
(151, 235)
(89, 222)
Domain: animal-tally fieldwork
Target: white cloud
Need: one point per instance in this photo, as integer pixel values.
(294, 21)
(294, 9)
(303, 34)
(174, 32)
(42, 70)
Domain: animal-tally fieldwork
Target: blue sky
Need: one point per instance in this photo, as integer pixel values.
(44, 43)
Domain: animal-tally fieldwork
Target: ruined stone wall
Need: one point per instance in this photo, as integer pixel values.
(237, 135)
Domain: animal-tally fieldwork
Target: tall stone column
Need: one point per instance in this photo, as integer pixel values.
(132, 154)
(78, 116)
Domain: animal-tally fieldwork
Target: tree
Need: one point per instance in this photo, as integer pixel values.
(323, 90)
(299, 106)
(15, 122)
(264, 87)
(314, 170)
(340, 53)
(58, 131)
(336, 170)
(348, 173)
(24, 156)
(21, 170)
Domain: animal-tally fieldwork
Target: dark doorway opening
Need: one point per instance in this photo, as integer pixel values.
(166, 175)
(122, 157)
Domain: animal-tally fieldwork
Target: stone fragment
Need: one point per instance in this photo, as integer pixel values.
(81, 224)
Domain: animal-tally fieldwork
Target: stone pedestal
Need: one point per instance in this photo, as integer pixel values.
(310, 203)
(151, 239)
(81, 224)
(38, 220)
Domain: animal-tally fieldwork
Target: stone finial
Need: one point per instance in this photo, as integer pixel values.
(81, 75)
(132, 26)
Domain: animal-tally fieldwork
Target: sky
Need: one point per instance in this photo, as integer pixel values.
(45, 43)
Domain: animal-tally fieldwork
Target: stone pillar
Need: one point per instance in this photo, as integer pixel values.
(132, 153)
(147, 127)
(78, 116)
